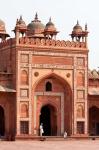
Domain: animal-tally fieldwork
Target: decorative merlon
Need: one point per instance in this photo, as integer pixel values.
(51, 43)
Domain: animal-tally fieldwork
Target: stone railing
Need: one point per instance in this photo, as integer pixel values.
(51, 43)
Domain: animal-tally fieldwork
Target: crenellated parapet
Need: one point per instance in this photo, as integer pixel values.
(7, 43)
(93, 84)
(51, 43)
(94, 74)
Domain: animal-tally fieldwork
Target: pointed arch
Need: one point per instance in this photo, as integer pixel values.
(63, 82)
(60, 96)
(94, 120)
(48, 86)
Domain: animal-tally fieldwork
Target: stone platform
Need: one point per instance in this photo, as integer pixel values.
(48, 145)
(56, 138)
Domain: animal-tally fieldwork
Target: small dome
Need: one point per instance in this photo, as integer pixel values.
(21, 23)
(50, 26)
(2, 26)
(35, 27)
(77, 28)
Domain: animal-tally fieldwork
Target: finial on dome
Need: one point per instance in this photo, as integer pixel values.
(86, 27)
(36, 16)
(50, 19)
(17, 21)
(77, 22)
(20, 17)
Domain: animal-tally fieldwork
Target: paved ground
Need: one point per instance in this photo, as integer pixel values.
(50, 145)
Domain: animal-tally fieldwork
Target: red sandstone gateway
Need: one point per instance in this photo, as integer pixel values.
(46, 81)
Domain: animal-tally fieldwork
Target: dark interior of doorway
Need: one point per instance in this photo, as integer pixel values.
(45, 118)
(2, 123)
(97, 128)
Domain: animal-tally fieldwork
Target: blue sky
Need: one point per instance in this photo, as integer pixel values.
(64, 14)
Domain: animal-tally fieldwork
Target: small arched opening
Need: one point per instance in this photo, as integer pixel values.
(48, 86)
(94, 120)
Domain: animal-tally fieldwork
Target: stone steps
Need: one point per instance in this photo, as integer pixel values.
(56, 138)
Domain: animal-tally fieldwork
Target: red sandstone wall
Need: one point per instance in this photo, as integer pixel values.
(5, 60)
(5, 79)
(93, 82)
(8, 65)
(52, 60)
(7, 101)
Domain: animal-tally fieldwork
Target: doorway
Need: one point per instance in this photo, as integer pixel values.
(94, 121)
(2, 122)
(97, 128)
(49, 120)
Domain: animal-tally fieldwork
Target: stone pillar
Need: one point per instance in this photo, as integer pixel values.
(30, 93)
(86, 96)
(62, 114)
(17, 94)
(17, 35)
(80, 102)
(74, 100)
(34, 114)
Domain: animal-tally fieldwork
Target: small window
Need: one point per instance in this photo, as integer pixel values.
(24, 127)
(48, 86)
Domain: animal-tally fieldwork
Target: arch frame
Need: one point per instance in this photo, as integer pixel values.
(52, 74)
(50, 103)
(66, 87)
(94, 120)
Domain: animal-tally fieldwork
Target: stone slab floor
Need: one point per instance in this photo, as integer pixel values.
(50, 145)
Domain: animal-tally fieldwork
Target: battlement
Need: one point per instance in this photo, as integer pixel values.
(94, 74)
(51, 43)
(7, 43)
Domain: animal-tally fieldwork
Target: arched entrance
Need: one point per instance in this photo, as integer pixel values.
(94, 121)
(2, 122)
(55, 95)
(49, 119)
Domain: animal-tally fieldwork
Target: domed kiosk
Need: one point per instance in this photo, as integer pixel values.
(20, 26)
(35, 28)
(3, 33)
(78, 33)
(77, 28)
(50, 29)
